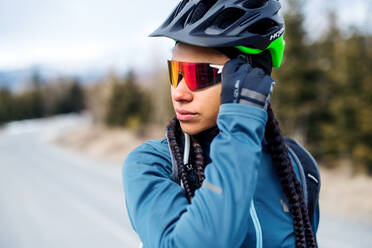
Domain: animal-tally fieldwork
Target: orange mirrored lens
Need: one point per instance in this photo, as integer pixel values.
(197, 75)
(173, 68)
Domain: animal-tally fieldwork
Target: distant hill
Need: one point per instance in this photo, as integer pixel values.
(16, 80)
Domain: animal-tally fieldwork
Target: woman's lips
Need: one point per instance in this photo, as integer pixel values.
(184, 115)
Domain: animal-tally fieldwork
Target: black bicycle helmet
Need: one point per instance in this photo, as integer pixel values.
(251, 26)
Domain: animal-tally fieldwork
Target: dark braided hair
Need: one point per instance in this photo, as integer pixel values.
(199, 160)
(192, 179)
(172, 128)
(291, 186)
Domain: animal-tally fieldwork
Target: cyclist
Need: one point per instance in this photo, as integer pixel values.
(222, 176)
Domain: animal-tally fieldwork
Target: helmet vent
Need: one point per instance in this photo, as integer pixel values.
(254, 4)
(201, 8)
(175, 12)
(228, 17)
(180, 24)
(263, 27)
(180, 6)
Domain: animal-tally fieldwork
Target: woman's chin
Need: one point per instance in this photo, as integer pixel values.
(191, 128)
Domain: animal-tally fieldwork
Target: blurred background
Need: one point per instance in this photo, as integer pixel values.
(81, 85)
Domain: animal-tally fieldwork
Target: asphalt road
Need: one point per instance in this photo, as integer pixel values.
(56, 198)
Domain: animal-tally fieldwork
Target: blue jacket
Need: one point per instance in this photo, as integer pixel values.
(240, 204)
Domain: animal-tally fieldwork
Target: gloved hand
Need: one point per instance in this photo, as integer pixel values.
(241, 83)
(262, 60)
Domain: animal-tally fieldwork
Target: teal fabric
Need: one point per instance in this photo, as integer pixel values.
(219, 213)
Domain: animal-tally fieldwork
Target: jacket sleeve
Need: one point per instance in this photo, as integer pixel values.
(219, 211)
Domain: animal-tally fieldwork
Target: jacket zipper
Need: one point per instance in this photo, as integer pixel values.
(257, 225)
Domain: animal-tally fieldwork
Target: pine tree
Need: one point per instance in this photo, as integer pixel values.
(128, 105)
(297, 79)
(6, 102)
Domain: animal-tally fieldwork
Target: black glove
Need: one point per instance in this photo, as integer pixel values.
(262, 60)
(241, 83)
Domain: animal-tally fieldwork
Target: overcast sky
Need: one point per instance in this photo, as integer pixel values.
(78, 34)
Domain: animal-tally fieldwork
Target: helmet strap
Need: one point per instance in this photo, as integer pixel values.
(230, 52)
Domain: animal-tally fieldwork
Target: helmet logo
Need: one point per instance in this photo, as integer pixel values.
(277, 34)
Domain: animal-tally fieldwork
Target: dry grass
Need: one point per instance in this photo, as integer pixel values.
(101, 142)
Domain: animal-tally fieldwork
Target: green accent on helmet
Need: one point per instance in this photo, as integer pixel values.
(276, 49)
(249, 50)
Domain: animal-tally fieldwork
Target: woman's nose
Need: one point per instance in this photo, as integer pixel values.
(182, 92)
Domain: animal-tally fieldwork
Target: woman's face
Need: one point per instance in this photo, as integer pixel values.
(196, 110)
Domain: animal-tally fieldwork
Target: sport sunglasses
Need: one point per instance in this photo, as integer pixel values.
(197, 75)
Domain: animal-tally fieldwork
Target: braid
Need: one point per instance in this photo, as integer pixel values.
(199, 160)
(291, 186)
(171, 132)
(193, 178)
(310, 237)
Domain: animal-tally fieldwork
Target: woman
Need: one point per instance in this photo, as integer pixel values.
(222, 177)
